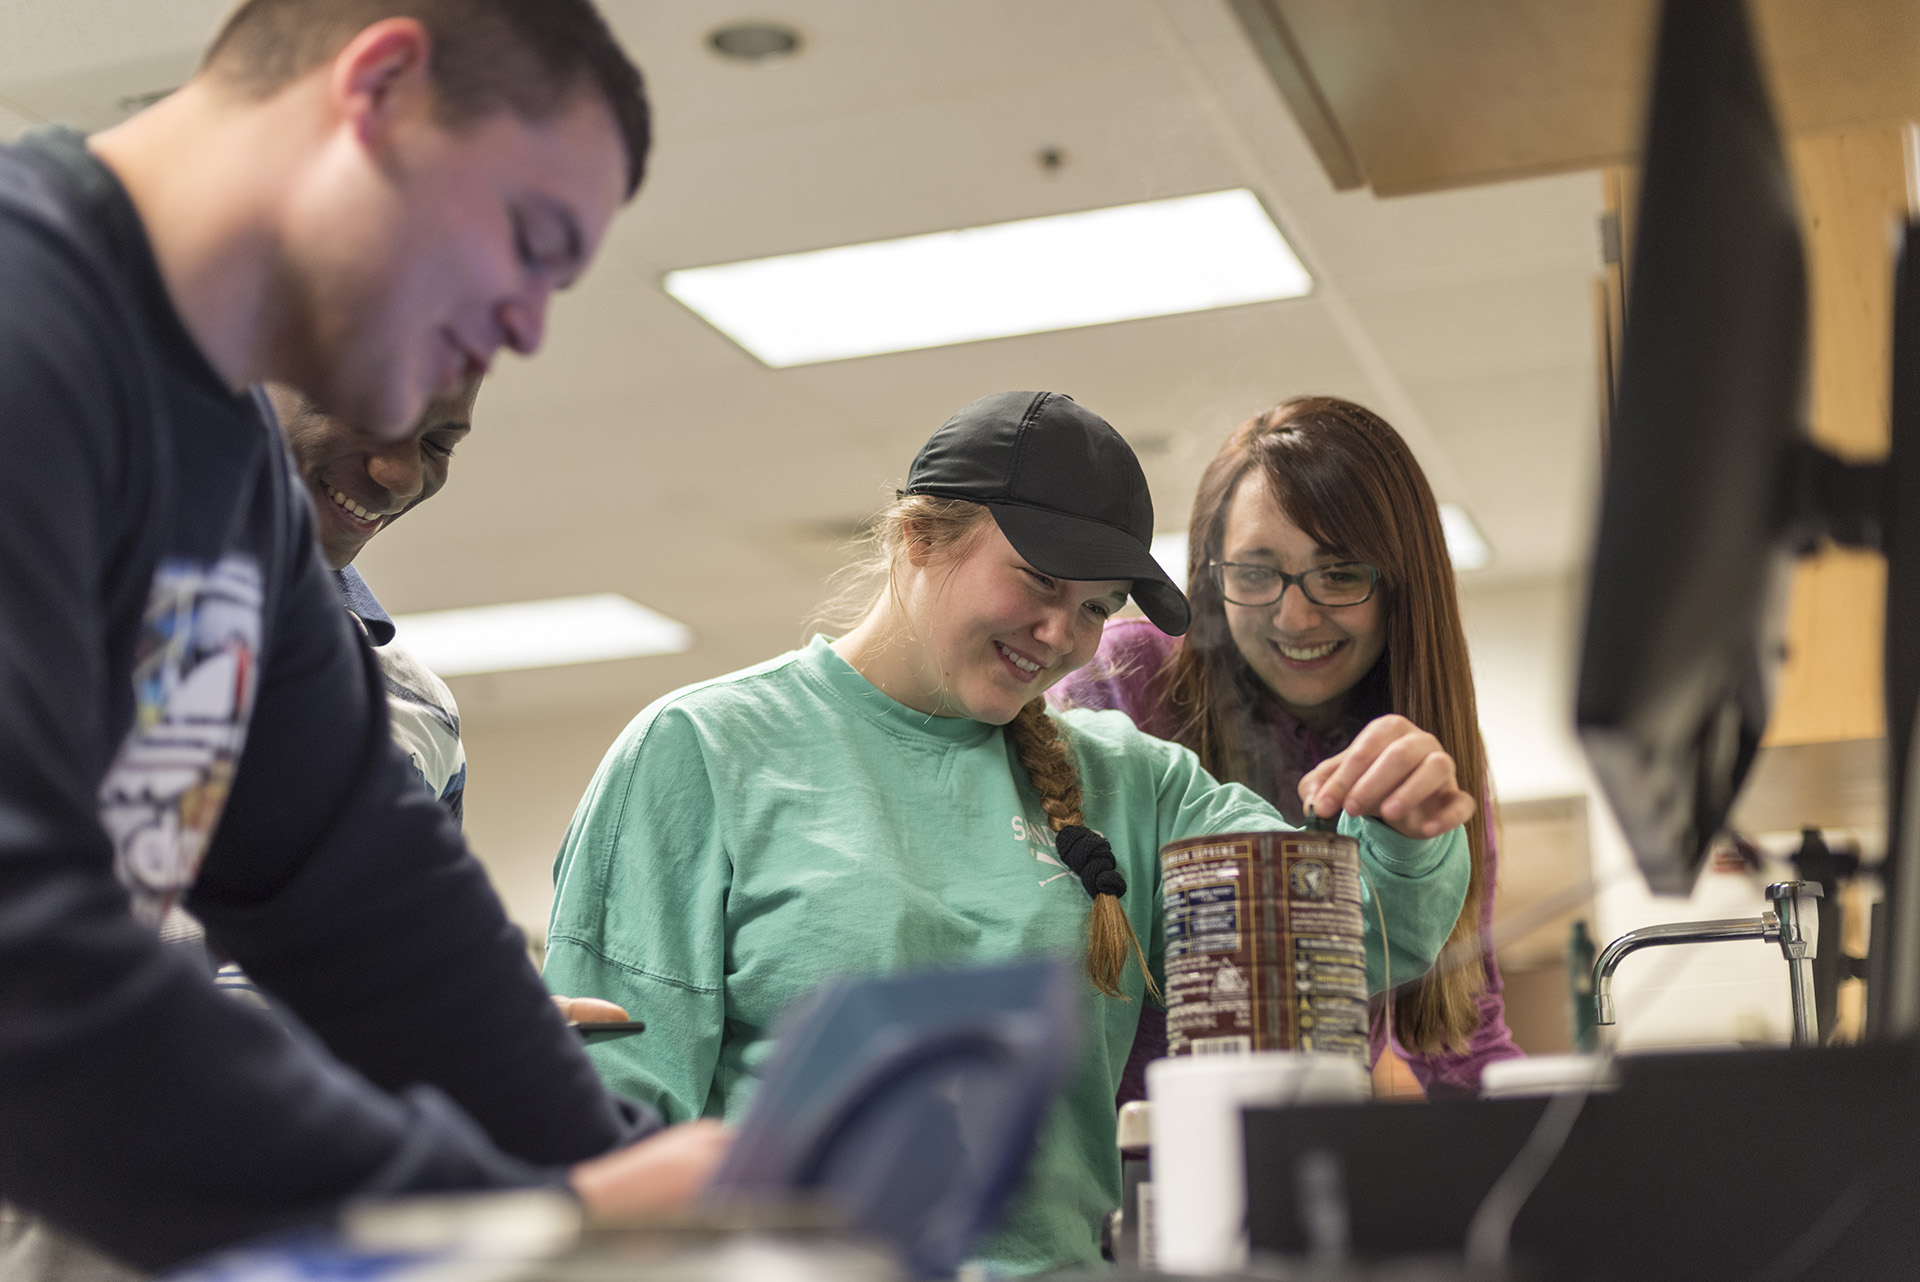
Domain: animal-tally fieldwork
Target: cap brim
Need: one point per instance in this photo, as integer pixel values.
(1072, 547)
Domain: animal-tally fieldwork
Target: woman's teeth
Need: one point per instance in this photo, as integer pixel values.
(1302, 654)
(1024, 664)
(341, 500)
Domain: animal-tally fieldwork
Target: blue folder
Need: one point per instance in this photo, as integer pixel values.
(911, 1104)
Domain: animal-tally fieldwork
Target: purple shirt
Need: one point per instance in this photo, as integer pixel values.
(1121, 676)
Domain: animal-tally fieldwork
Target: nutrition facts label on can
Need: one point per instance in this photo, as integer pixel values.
(1265, 949)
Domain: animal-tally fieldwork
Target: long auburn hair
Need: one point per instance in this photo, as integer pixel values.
(947, 530)
(1349, 482)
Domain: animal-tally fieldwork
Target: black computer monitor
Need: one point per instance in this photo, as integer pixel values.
(1685, 607)
(1713, 487)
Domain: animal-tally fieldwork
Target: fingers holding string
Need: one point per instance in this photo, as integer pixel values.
(1326, 787)
(1429, 801)
(1406, 771)
(1395, 770)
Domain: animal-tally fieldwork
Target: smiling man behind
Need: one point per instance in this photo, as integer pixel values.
(364, 200)
(359, 486)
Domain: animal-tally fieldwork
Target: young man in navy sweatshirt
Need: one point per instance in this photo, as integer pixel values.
(365, 199)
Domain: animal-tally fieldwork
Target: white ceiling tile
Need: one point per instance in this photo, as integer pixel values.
(1479, 411)
(926, 165)
(45, 40)
(1495, 323)
(862, 57)
(1504, 229)
(14, 121)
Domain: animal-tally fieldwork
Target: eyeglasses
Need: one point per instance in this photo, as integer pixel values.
(1342, 583)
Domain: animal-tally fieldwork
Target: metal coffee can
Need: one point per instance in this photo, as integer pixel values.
(1266, 947)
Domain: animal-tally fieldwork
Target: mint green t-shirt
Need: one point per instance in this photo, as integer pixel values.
(750, 836)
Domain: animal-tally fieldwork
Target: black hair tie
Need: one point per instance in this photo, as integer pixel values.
(1089, 857)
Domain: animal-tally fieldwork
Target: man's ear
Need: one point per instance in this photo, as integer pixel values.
(382, 75)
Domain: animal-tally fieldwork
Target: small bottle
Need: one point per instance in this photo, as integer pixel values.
(1133, 1235)
(1580, 952)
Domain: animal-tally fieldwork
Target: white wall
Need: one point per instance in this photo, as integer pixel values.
(524, 777)
(1524, 639)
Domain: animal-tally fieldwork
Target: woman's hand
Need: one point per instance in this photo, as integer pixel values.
(589, 1010)
(661, 1173)
(1394, 770)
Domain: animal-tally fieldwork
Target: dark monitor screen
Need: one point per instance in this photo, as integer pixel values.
(1685, 608)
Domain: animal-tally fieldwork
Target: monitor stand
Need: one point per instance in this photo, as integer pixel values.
(1893, 983)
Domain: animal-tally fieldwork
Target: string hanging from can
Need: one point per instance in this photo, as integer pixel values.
(1317, 823)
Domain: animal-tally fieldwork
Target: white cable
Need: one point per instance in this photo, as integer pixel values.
(1386, 954)
(1490, 1232)
(1489, 1241)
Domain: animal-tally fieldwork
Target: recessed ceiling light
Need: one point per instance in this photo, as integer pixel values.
(539, 634)
(754, 41)
(1158, 258)
(1466, 548)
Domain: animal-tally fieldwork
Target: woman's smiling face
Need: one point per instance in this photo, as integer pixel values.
(1310, 656)
(992, 633)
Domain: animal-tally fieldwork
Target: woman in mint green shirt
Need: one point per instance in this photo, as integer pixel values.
(902, 798)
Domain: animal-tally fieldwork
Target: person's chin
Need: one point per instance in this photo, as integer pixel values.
(994, 708)
(1303, 694)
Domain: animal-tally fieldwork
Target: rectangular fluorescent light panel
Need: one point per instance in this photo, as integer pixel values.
(1158, 258)
(538, 634)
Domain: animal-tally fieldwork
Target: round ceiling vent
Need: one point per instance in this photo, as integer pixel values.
(754, 41)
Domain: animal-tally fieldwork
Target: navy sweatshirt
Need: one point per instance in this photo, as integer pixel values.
(186, 713)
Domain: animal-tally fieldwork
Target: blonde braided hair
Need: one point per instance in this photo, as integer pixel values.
(1044, 754)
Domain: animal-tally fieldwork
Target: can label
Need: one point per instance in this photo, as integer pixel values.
(1265, 944)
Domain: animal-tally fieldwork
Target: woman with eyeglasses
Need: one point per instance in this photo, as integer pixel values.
(902, 798)
(1324, 619)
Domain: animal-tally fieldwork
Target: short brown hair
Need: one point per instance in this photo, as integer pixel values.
(529, 56)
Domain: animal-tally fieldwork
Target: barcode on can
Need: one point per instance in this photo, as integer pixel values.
(1222, 1045)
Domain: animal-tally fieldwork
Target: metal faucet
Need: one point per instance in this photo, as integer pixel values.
(1784, 924)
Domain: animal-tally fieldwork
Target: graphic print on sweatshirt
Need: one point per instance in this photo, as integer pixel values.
(1041, 841)
(194, 677)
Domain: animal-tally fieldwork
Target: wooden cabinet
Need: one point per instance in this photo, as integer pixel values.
(1413, 95)
(1853, 194)
(1853, 190)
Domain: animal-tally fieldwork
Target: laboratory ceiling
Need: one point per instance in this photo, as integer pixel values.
(641, 452)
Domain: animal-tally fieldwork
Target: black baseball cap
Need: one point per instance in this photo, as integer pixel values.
(1063, 486)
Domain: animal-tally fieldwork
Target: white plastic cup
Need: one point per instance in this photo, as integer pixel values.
(1199, 1154)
